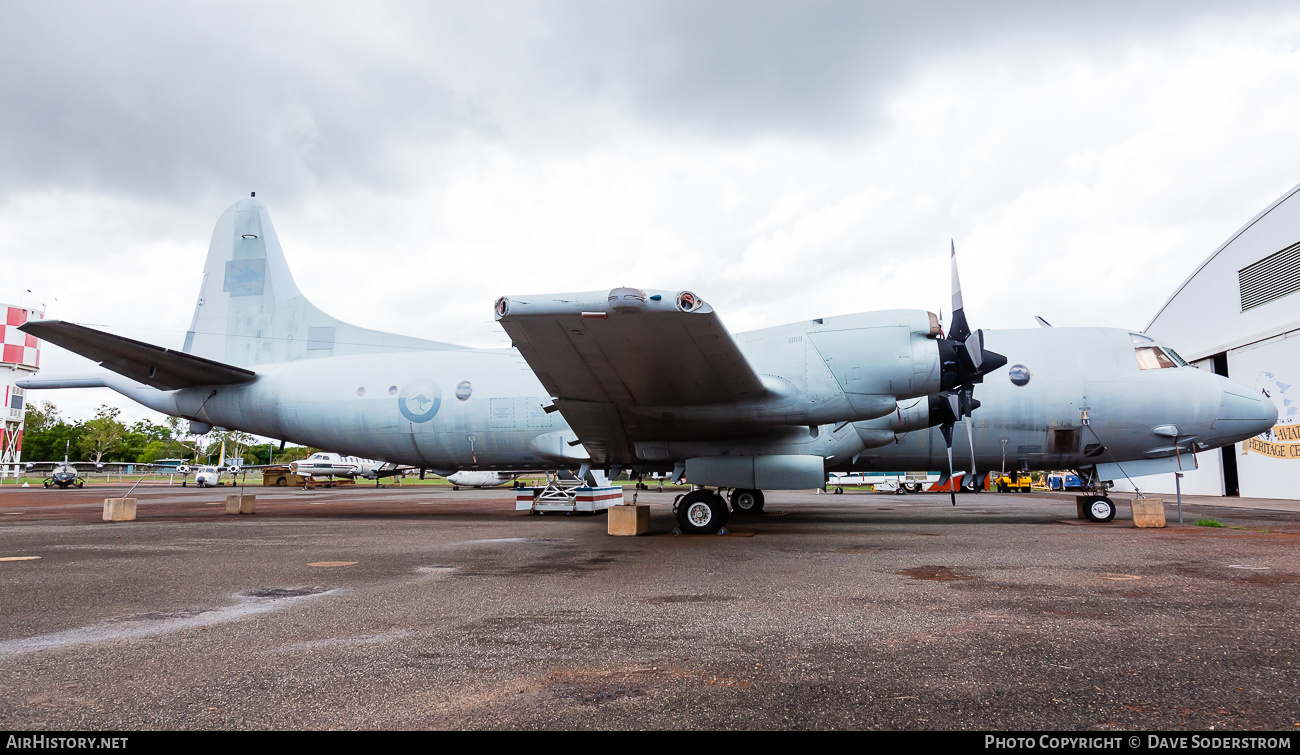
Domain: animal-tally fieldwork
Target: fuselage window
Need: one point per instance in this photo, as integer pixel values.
(1153, 358)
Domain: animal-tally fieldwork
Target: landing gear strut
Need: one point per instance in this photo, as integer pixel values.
(701, 512)
(745, 501)
(1097, 507)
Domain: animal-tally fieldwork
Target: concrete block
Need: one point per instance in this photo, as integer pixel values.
(1149, 512)
(629, 520)
(119, 509)
(1080, 503)
(239, 503)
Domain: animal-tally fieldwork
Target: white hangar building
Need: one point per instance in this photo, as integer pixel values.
(1238, 314)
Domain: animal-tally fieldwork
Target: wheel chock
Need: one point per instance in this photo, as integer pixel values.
(239, 503)
(119, 509)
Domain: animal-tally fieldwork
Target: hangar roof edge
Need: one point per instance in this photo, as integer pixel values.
(1285, 196)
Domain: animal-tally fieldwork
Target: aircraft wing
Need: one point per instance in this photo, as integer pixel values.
(156, 366)
(597, 352)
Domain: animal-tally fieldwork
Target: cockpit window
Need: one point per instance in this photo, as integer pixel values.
(1154, 358)
(1139, 338)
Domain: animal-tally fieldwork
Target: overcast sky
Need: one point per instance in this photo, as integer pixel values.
(783, 160)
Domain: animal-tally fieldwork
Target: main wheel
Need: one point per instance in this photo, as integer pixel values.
(1099, 508)
(701, 512)
(747, 501)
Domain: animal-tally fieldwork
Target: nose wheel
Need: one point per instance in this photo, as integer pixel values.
(701, 512)
(1099, 508)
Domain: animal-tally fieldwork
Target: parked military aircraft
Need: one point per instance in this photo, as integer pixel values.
(63, 474)
(775, 408)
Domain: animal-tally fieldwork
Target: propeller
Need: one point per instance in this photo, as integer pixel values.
(964, 362)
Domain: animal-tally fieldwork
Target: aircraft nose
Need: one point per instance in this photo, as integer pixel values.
(1243, 414)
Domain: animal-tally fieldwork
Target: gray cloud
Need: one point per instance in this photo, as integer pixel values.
(165, 100)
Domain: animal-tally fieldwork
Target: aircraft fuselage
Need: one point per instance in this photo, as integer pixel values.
(484, 409)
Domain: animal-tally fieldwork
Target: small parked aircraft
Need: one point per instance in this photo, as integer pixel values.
(64, 474)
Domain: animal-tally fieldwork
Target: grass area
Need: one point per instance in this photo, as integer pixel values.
(1208, 523)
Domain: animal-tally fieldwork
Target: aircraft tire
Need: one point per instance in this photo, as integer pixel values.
(744, 501)
(1099, 508)
(701, 512)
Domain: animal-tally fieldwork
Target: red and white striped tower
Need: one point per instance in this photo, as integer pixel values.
(20, 358)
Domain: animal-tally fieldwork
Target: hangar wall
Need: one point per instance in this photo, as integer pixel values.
(1238, 314)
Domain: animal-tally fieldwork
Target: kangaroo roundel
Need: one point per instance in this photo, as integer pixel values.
(419, 400)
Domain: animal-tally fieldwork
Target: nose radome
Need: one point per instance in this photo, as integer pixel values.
(1244, 415)
(1269, 415)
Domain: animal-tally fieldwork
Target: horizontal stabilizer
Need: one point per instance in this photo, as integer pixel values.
(161, 368)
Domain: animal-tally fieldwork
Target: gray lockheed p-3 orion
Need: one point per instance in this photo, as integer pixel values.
(650, 381)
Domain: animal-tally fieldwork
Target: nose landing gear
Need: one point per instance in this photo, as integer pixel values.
(1099, 508)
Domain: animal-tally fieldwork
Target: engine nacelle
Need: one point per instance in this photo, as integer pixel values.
(785, 472)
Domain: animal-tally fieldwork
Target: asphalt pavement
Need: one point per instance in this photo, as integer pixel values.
(420, 607)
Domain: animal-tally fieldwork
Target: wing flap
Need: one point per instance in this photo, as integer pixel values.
(156, 366)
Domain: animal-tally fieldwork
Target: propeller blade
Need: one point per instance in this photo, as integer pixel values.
(946, 429)
(959, 330)
(970, 437)
(975, 348)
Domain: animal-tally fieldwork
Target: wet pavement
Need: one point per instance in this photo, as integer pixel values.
(420, 607)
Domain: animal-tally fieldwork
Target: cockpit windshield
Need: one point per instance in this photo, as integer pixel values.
(1154, 358)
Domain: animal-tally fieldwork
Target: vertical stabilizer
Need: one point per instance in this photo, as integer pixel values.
(251, 312)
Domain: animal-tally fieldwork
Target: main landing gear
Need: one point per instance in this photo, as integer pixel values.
(704, 512)
(747, 501)
(701, 512)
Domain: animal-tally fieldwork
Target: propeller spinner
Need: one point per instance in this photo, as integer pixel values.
(964, 362)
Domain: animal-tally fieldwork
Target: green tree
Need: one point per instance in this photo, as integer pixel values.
(46, 437)
(141, 436)
(40, 417)
(235, 441)
(103, 434)
(294, 453)
(190, 443)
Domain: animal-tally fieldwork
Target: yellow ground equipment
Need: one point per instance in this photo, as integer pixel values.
(282, 476)
(1018, 481)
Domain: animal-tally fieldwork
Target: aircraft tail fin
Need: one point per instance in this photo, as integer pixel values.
(251, 312)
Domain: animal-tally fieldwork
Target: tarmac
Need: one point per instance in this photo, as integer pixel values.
(420, 607)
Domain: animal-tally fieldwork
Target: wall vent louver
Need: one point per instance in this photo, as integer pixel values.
(1271, 278)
